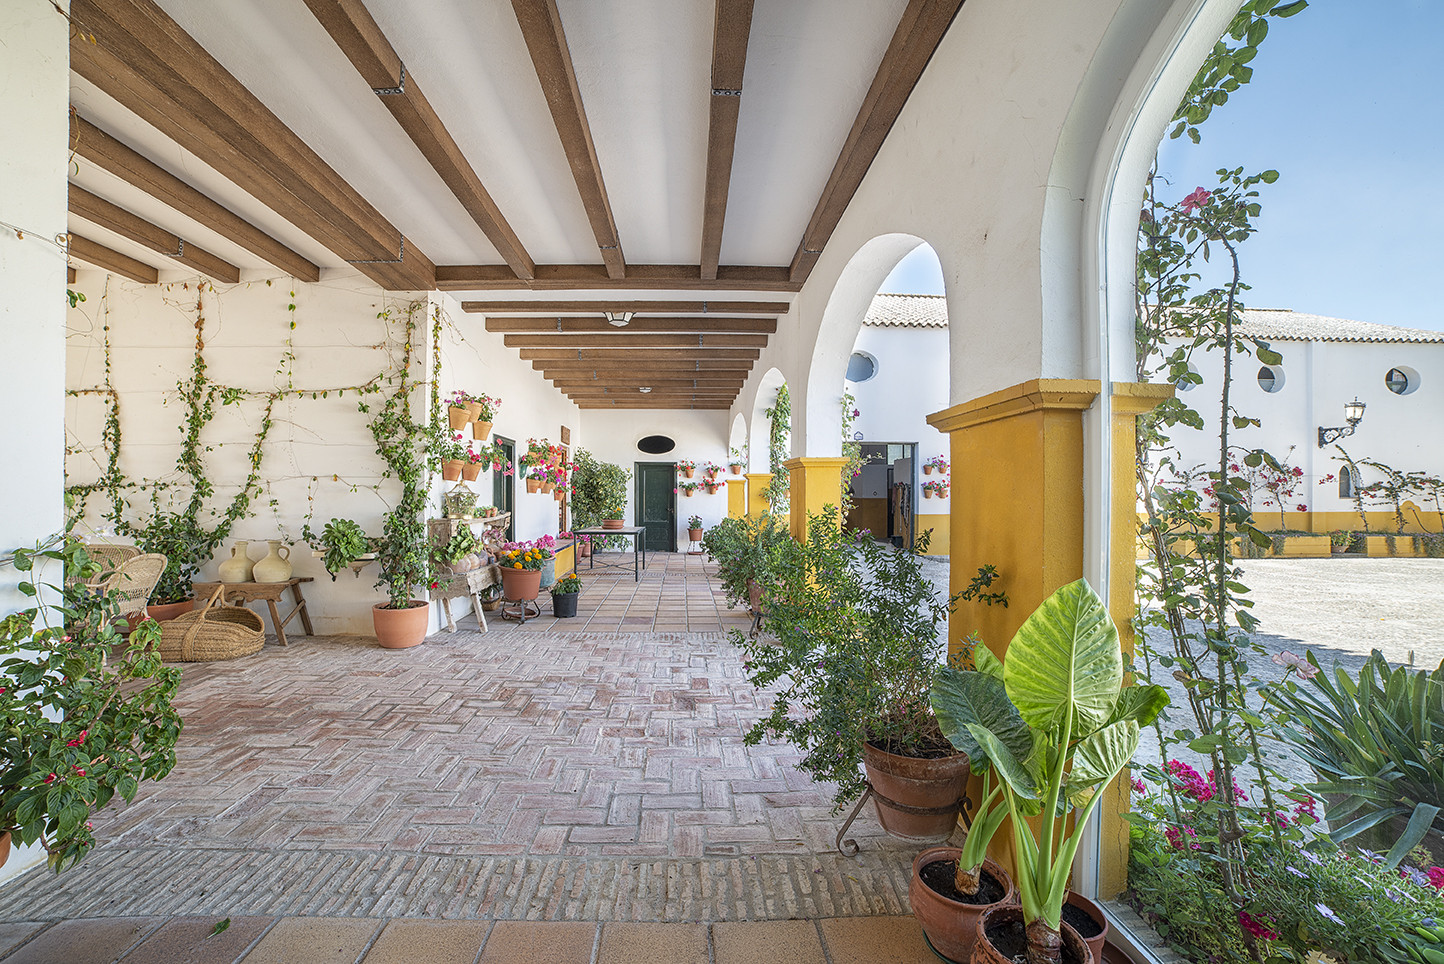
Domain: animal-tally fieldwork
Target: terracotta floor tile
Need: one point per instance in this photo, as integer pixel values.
(766, 942)
(85, 941)
(325, 940)
(539, 942)
(188, 940)
(635, 943)
(428, 942)
(875, 940)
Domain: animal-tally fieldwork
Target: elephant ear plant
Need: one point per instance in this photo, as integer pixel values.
(1056, 725)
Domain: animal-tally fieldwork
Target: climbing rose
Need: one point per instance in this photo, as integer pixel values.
(1293, 661)
(1197, 199)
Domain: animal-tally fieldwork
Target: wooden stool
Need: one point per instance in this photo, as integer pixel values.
(240, 593)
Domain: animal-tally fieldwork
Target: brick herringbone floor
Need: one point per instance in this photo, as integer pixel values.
(520, 774)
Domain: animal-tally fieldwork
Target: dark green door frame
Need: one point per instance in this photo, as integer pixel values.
(503, 487)
(654, 504)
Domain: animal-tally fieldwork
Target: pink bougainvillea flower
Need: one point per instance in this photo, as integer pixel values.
(1197, 199)
(1259, 927)
(1290, 660)
(1306, 809)
(1302, 508)
(1436, 877)
(1138, 786)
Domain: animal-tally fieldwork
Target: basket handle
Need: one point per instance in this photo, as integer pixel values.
(188, 640)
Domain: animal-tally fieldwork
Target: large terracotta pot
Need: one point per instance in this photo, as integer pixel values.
(613, 523)
(1074, 949)
(168, 611)
(1096, 942)
(918, 783)
(451, 469)
(951, 925)
(480, 430)
(754, 596)
(400, 628)
(519, 585)
(458, 417)
(470, 470)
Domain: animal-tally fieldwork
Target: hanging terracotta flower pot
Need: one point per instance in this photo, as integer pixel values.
(735, 468)
(533, 485)
(927, 470)
(547, 486)
(558, 494)
(470, 470)
(458, 416)
(474, 410)
(481, 430)
(689, 472)
(927, 493)
(451, 469)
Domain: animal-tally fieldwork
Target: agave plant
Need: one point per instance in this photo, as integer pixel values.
(1375, 746)
(1055, 724)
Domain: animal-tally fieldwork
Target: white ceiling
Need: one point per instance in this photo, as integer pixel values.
(644, 70)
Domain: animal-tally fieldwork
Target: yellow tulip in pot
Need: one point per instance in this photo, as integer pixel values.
(1056, 725)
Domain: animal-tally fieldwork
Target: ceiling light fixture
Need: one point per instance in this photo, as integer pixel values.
(644, 390)
(619, 319)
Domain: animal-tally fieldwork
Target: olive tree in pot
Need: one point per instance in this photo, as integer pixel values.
(859, 635)
(1056, 724)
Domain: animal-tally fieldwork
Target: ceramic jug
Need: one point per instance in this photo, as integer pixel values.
(238, 567)
(274, 568)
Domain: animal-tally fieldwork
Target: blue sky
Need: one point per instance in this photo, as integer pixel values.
(1345, 103)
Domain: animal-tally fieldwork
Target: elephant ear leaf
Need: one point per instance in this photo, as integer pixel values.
(1013, 771)
(1140, 703)
(987, 663)
(963, 697)
(1098, 758)
(1066, 660)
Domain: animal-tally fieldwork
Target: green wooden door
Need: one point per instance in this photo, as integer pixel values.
(503, 486)
(656, 504)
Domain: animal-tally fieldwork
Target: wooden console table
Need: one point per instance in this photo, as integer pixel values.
(240, 593)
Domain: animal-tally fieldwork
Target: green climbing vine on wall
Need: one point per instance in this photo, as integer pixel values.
(779, 441)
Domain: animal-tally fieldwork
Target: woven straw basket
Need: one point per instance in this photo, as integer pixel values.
(212, 632)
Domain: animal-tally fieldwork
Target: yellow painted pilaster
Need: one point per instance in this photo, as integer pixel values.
(736, 497)
(757, 483)
(813, 484)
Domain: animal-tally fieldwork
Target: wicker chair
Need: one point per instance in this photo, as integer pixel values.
(106, 555)
(134, 580)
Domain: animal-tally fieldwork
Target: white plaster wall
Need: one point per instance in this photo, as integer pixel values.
(911, 383)
(1319, 377)
(33, 151)
(612, 436)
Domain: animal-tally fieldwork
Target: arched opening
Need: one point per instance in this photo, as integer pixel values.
(897, 375)
(737, 443)
(770, 450)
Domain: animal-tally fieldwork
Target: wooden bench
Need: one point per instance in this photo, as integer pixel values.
(240, 593)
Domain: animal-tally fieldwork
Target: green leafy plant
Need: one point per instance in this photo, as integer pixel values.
(1375, 746)
(858, 635)
(566, 586)
(599, 490)
(85, 714)
(744, 550)
(461, 544)
(341, 542)
(1055, 724)
(779, 440)
(186, 545)
(694, 522)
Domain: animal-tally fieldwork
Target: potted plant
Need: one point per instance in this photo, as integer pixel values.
(1340, 541)
(458, 412)
(599, 492)
(1056, 725)
(688, 489)
(938, 487)
(85, 713)
(341, 542)
(694, 528)
(521, 570)
(448, 453)
(485, 415)
(710, 469)
(937, 464)
(564, 597)
(737, 462)
(714, 485)
(687, 467)
(186, 546)
(858, 635)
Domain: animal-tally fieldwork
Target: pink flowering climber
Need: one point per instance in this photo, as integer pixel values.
(1197, 199)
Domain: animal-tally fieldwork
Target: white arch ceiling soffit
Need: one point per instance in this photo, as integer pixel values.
(643, 67)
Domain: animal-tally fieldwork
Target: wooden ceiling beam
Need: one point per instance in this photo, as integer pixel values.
(622, 340)
(659, 404)
(93, 252)
(660, 366)
(99, 148)
(643, 356)
(144, 60)
(640, 277)
(570, 381)
(112, 217)
(919, 31)
(362, 41)
(546, 41)
(731, 30)
(493, 308)
(638, 325)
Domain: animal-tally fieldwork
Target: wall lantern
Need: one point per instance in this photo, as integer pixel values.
(1353, 414)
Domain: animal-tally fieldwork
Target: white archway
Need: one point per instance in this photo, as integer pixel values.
(737, 438)
(772, 380)
(847, 305)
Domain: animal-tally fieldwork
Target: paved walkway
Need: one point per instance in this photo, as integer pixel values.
(335, 792)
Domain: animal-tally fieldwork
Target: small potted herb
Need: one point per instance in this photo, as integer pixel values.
(564, 597)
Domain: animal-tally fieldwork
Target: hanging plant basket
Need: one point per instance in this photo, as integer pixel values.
(451, 469)
(458, 416)
(735, 468)
(470, 470)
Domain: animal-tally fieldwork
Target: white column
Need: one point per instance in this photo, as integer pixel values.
(34, 97)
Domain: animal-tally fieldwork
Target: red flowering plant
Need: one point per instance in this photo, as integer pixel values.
(85, 711)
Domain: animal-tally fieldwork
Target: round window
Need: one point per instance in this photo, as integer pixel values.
(1401, 380)
(1271, 379)
(656, 444)
(861, 366)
